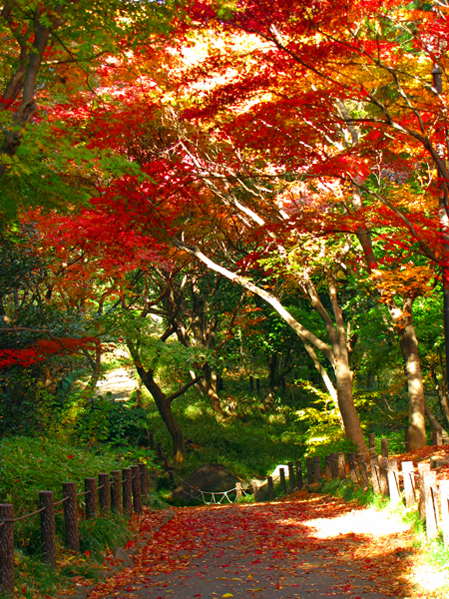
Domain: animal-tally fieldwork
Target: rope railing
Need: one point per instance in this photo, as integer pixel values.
(124, 493)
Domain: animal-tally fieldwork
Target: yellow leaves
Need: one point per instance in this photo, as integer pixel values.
(227, 595)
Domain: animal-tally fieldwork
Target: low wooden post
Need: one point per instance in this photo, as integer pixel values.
(353, 468)
(144, 481)
(383, 478)
(299, 481)
(437, 438)
(116, 491)
(341, 466)
(291, 477)
(334, 465)
(72, 539)
(137, 494)
(328, 468)
(408, 477)
(283, 485)
(430, 481)
(90, 486)
(407, 440)
(238, 491)
(7, 550)
(372, 443)
(363, 469)
(393, 481)
(384, 445)
(444, 501)
(48, 530)
(270, 488)
(422, 469)
(309, 462)
(375, 473)
(127, 492)
(104, 491)
(316, 468)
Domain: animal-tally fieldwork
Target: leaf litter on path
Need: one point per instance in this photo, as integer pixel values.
(305, 546)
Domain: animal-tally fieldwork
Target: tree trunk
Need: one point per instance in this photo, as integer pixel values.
(164, 406)
(209, 388)
(409, 348)
(348, 412)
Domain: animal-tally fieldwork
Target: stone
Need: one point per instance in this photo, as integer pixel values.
(121, 555)
(212, 478)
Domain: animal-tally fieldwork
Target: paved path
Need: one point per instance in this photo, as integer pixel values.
(308, 547)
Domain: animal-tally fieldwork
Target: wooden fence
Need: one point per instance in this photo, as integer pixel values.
(122, 491)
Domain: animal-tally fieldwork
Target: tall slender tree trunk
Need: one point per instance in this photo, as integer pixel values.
(408, 343)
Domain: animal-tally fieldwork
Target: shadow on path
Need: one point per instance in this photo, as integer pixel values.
(312, 546)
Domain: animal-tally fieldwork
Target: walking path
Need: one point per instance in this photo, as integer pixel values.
(305, 546)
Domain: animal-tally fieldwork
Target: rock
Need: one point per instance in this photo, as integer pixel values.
(121, 555)
(212, 478)
(262, 490)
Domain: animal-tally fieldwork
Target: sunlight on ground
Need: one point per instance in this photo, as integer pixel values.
(360, 522)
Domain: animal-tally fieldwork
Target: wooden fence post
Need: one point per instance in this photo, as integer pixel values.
(384, 445)
(238, 491)
(299, 480)
(309, 462)
(283, 485)
(144, 484)
(430, 498)
(116, 491)
(444, 500)
(328, 468)
(407, 440)
(408, 476)
(353, 468)
(383, 478)
(375, 473)
(291, 477)
(372, 444)
(393, 481)
(72, 539)
(270, 488)
(437, 438)
(363, 468)
(104, 485)
(341, 466)
(7, 550)
(48, 531)
(127, 492)
(90, 486)
(137, 495)
(422, 469)
(316, 468)
(334, 465)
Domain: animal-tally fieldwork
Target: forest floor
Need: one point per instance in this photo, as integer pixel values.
(306, 545)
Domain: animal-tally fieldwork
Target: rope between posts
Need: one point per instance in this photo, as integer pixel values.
(222, 493)
(62, 500)
(12, 520)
